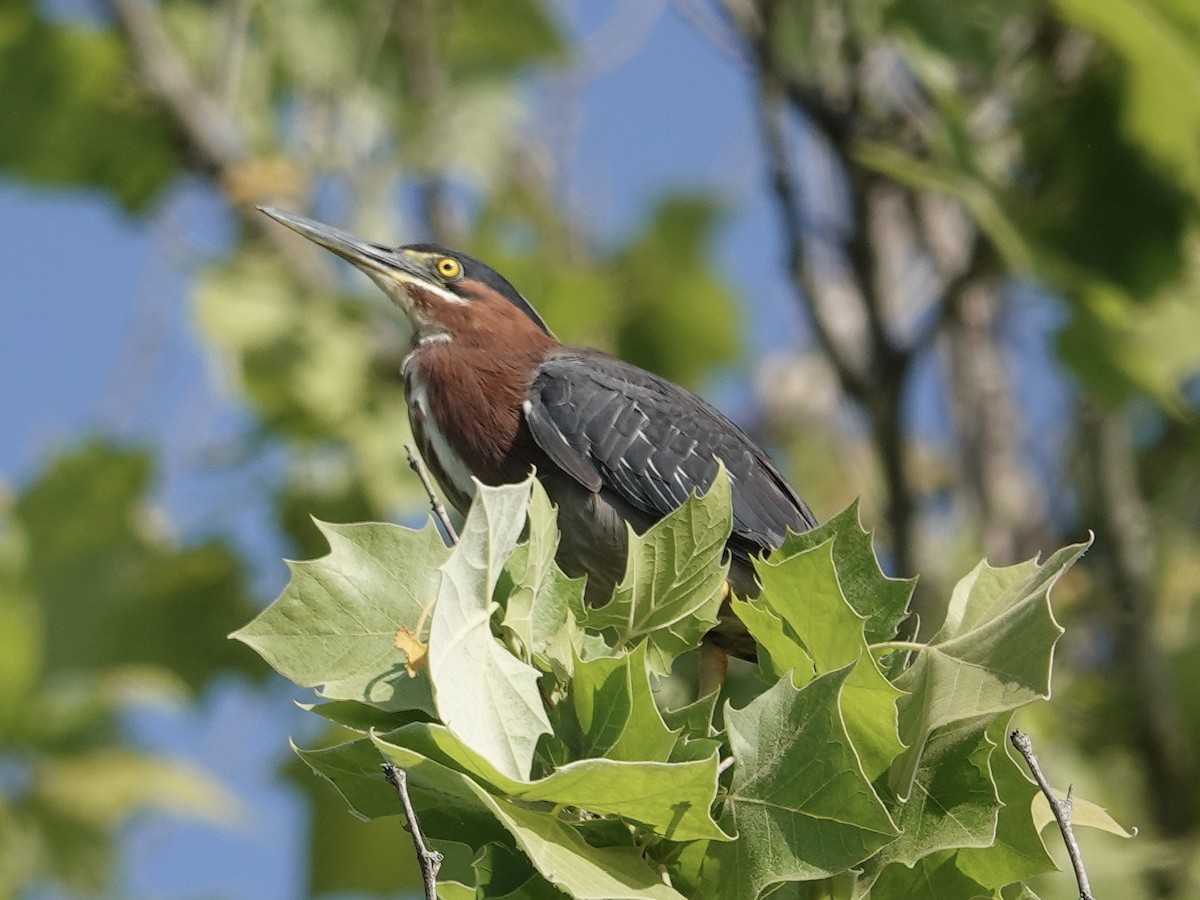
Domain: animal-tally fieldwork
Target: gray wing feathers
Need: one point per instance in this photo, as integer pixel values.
(612, 425)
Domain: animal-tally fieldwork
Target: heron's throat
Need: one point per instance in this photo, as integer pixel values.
(424, 305)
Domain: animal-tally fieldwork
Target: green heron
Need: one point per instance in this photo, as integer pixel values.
(491, 393)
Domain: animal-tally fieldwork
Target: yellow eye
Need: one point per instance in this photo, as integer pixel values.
(449, 268)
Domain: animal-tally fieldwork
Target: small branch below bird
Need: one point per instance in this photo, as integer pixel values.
(435, 503)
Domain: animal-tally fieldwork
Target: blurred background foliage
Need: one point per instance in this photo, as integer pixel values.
(941, 175)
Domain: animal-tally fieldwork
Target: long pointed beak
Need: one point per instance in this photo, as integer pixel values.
(371, 258)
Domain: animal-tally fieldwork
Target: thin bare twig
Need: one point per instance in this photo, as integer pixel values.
(430, 861)
(1060, 808)
(435, 502)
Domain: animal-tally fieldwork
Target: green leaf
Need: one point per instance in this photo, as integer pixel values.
(356, 856)
(676, 312)
(1018, 851)
(20, 627)
(799, 799)
(1162, 93)
(954, 801)
(992, 654)
(483, 693)
(543, 596)
(779, 649)
(693, 725)
(495, 38)
(1123, 345)
(672, 799)
(1018, 892)
(74, 113)
(555, 849)
(695, 720)
(610, 711)
(582, 871)
(447, 808)
(362, 717)
(804, 589)
(127, 594)
(335, 623)
(674, 579)
(500, 869)
(882, 601)
(969, 188)
(933, 878)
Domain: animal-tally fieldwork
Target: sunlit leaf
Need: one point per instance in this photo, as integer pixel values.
(483, 693)
(992, 654)
(335, 623)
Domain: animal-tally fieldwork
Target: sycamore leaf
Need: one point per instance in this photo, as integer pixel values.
(483, 693)
(779, 650)
(499, 870)
(693, 727)
(954, 801)
(671, 799)
(610, 711)
(556, 850)
(363, 718)
(674, 579)
(446, 807)
(799, 799)
(1018, 851)
(935, 877)
(804, 590)
(335, 623)
(695, 720)
(882, 601)
(542, 597)
(1018, 892)
(992, 654)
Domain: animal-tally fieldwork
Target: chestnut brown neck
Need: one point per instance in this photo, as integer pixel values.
(476, 379)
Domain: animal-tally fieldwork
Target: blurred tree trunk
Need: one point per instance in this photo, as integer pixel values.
(993, 478)
(1124, 535)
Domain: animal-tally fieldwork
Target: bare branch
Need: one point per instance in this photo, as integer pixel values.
(787, 193)
(214, 137)
(211, 135)
(430, 861)
(1060, 808)
(435, 503)
(708, 23)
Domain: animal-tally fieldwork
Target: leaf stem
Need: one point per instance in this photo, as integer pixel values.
(1060, 808)
(430, 861)
(900, 645)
